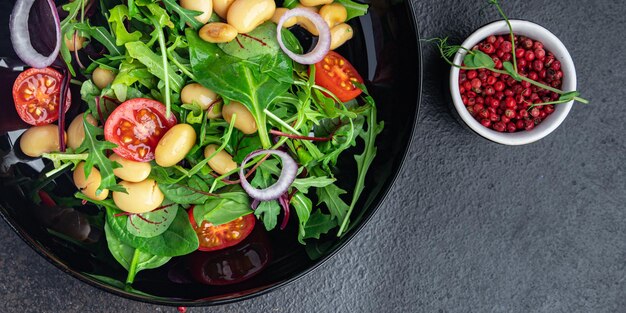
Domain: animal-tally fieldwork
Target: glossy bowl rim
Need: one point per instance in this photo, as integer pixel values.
(550, 41)
(354, 232)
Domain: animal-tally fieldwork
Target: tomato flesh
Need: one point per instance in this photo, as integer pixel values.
(232, 265)
(218, 237)
(136, 126)
(337, 75)
(36, 93)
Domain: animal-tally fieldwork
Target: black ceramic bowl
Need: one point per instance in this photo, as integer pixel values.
(385, 50)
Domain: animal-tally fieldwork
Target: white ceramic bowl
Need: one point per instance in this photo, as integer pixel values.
(552, 44)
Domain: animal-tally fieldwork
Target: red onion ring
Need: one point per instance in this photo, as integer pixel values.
(287, 176)
(20, 37)
(323, 42)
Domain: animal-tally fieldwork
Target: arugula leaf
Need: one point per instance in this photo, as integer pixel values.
(229, 206)
(154, 63)
(96, 149)
(160, 15)
(186, 16)
(303, 206)
(268, 211)
(192, 191)
(124, 253)
(364, 160)
(241, 145)
(119, 14)
(303, 184)
(102, 35)
(330, 195)
(178, 239)
(318, 224)
(354, 9)
(132, 72)
(344, 131)
(89, 92)
(153, 223)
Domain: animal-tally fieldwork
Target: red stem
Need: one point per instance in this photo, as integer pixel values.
(255, 39)
(98, 100)
(76, 52)
(239, 42)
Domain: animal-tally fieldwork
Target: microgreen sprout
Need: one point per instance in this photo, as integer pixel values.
(476, 59)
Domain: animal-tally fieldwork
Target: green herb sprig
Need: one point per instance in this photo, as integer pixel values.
(476, 59)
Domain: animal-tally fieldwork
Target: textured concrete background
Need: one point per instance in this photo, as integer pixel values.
(470, 226)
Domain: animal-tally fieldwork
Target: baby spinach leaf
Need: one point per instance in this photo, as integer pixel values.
(227, 207)
(240, 81)
(124, 253)
(291, 42)
(178, 239)
(303, 184)
(192, 191)
(153, 223)
(119, 14)
(290, 4)
(154, 63)
(353, 8)
(318, 224)
(303, 206)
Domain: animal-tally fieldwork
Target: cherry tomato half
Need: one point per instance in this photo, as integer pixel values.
(36, 94)
(222, 236)
(232, 265)
(336, 74)
(136, 126)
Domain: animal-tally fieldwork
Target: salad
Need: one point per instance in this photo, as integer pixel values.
(197, 119)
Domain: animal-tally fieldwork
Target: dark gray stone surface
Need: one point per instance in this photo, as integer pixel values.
(470, 226)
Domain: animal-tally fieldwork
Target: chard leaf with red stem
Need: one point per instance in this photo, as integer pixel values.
(178, 239)
(191, 191)
(153, 223)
